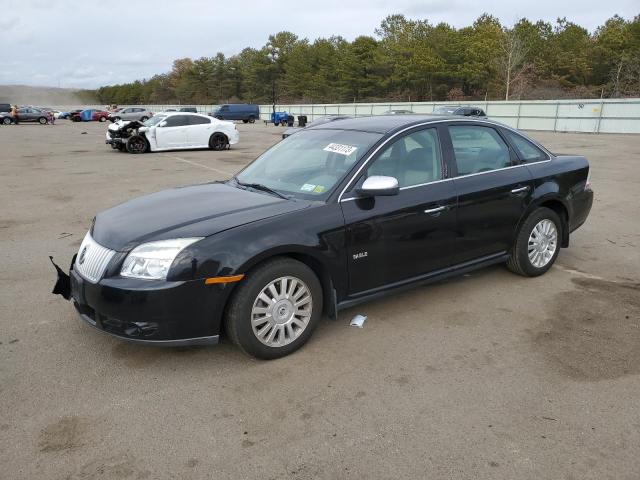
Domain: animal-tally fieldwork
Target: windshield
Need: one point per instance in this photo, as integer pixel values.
(310, 163)
(154, 120)
(445, 110)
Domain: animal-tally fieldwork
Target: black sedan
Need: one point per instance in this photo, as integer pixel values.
(330, 217)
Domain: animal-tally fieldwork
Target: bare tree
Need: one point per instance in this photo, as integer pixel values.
(510, 62)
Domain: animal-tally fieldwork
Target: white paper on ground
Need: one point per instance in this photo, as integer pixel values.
(358, 321)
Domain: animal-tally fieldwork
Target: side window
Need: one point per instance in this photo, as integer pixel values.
(478, 149)
(177, 121)
(413, 159)
(194, 120)
(527, 150)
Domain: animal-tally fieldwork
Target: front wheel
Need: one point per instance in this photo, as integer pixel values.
(6, 121)
(218, 141)
(137, 144)
(275, 309)
(252, 119)
(43, 121)
(537, 244)
(245, 121)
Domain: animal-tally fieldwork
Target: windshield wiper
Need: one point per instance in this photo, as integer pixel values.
(264, 188)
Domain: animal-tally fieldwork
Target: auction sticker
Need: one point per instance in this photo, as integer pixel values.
(307, 187)
(340, 148)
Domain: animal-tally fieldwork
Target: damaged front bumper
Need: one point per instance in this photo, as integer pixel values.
(146, 312)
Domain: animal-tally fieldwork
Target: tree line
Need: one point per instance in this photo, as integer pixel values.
(409, 60)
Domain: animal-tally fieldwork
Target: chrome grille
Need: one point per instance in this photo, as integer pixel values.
(92, 259)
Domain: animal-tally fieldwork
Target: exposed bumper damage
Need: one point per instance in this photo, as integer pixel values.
(162, 313)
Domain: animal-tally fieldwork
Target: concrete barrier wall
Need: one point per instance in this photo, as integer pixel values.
(590, 116)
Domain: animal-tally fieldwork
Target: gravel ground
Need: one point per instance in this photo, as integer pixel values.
(487, 376)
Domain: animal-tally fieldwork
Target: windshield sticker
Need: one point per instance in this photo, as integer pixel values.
(307, 187)
(339, 148)
(318, 189)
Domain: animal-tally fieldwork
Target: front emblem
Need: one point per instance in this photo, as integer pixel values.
(83, 254)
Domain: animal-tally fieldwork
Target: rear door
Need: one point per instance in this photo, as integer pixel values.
(199, 131)
(174, 133)
(493, 190)
(396, 238)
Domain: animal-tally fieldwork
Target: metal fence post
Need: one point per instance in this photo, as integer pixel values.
(555, 121)
(517, 119)
(600, 115)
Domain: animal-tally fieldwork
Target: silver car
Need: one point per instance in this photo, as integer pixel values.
(130, 113)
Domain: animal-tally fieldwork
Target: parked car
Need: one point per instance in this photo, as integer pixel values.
(130, 113)
(187, 109)
(5, 107)
(6, 118)
(397, 112)
(32, 114)
(246, 112)
(172, 131)
(463, 111)
(318, 121)
(332, 216)
(90, 115)
(66, 115)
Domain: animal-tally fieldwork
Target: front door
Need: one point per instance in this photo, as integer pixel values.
(493, 191)
(174, 133)
(392, 239)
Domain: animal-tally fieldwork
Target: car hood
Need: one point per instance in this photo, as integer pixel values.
(194, 211)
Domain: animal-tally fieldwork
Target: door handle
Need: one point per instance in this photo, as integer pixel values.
(432, 211)
(521, 189)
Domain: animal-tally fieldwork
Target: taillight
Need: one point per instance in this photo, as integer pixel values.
(587, 185)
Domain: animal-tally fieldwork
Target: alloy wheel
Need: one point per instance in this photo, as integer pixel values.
(281, 311)
(543, 242)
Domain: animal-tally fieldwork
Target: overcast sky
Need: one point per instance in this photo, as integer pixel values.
(89, 43)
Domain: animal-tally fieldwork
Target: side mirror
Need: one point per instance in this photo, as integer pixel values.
(163, 123)
(379, 186)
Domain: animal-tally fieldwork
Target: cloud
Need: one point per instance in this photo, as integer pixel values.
(81, 43)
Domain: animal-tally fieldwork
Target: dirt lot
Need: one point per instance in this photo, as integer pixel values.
(488, 376)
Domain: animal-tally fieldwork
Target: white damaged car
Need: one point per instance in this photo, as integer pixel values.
(172, 131)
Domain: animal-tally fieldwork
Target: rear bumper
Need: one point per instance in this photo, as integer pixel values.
(582, 203)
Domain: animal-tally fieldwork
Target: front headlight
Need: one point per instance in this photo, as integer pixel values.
(152, 260)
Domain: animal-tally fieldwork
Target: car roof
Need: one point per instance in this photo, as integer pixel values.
(385, 123)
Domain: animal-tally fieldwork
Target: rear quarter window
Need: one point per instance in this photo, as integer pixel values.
(527, 151)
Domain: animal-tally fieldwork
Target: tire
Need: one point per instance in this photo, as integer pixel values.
(245, 121)
(218, 141)
(102, 119)
(43, 121)
(137, 144)
(291, 331)
(6, 121)
(252, 119)
(144, 119)
(548, 228)
(115, 119)
(122, 147)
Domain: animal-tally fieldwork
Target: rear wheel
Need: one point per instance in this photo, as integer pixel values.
(102, 119)
(537, 244)
(245, 121)
(6, 121)
(252, 119)
(137, 144)
(218, 141)
(275, 309)
(43, 121)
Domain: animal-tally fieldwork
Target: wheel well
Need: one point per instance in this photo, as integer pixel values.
(321, 272)
(562, 212)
